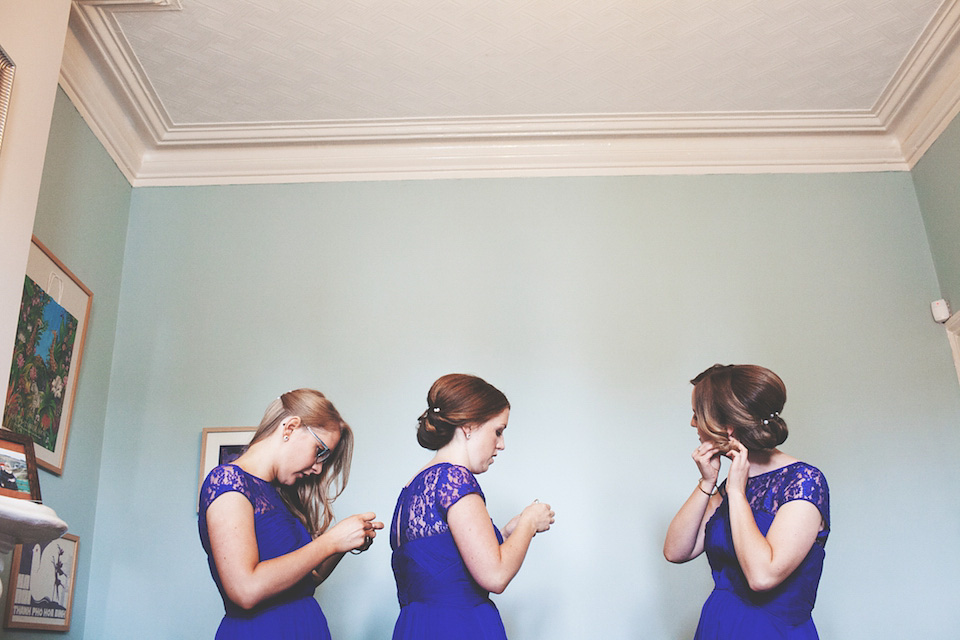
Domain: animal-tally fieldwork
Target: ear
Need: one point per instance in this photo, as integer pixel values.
(288, 425)
(729, 432)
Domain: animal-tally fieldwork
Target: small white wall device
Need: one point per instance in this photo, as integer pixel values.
(940, 310)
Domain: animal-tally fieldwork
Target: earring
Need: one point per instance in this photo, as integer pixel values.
(285, 438)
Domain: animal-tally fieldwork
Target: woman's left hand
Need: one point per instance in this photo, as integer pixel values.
(739, 467)
(354, 533)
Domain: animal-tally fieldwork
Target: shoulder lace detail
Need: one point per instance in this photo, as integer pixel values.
(452, 483)
(798, 481)
(423, 507)
(228, 477)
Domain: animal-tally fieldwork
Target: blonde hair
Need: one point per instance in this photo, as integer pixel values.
(744, 397)
(311, 498)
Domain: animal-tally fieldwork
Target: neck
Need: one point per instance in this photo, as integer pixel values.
(453, 452)
(765, 460)
(256, 461)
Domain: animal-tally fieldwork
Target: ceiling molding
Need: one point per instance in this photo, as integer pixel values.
(104, 81)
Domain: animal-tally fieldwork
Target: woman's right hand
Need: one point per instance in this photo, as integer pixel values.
(540, 515)
(707, 457)
(355, 532)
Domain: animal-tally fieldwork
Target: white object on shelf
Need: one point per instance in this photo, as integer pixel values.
(26, 522)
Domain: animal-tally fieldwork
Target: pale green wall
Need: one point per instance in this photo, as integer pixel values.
(82, 218)
(590, 302)
(937, 179)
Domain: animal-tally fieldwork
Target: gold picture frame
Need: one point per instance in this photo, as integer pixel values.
(18, 467)
(48, 350)
(42, 576)
(7, 69)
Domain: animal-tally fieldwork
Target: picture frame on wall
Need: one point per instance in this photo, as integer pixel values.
(7, 69)
(40, 593)
(221, 445)
(18, 467)
(47, 353)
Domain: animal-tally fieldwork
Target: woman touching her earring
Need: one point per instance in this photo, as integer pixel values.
(265, 521)
(765, 527)
(447, 554)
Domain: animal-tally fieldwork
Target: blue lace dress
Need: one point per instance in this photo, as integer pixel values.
(291, 615)
(439, 599)
(733, 611)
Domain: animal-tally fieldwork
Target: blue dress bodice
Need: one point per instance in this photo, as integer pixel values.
(291, 614)
(439, 599)
(734, 611)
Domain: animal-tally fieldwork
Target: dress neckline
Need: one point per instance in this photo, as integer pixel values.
(247, 473)
(433, 466)
(777, 470)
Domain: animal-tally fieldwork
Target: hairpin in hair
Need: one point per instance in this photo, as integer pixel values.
(773, 416)
(435, 409)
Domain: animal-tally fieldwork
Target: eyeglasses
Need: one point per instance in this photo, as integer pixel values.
(324, 452)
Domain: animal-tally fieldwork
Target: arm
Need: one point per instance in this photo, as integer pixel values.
(685, 534)
(246, 580)
(768, 560)
(325, 568)
(493, 565)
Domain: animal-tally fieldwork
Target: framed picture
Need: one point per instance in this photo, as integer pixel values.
(54, 313)
(6, 88)
(221, 445)
(18, 467)
(40, 594)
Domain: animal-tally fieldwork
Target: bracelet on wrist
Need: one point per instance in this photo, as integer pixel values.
(700, 486)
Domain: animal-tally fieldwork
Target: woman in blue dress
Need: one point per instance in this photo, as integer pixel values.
(764, 529)
(447, 554)
(265, 521)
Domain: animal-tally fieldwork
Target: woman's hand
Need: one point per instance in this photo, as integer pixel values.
(707, 457)
(739, 467)
(491, 563)
(540, 515)
(355, 532)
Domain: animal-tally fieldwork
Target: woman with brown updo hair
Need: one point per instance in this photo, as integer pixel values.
(764, 528)
(447, 554)
(265, 521)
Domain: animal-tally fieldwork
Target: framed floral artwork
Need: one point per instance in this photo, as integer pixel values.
(47, 352)
(40, 595)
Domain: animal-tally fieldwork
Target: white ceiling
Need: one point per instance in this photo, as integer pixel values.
(233, 91)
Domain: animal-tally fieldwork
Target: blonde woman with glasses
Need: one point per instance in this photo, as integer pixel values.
(265, 520)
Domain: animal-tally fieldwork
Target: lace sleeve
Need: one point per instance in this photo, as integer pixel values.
(808, 483)
(454, 483)
(219, 481)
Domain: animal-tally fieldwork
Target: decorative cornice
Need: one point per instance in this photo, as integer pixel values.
(102, 78)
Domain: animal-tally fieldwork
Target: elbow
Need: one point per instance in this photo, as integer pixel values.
(759, 584)
(674, 555)
(245, 599)
(497, 585)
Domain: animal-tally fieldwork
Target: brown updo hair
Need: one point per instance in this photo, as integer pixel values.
(311, 498)
(745, 397)
(457, 400)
